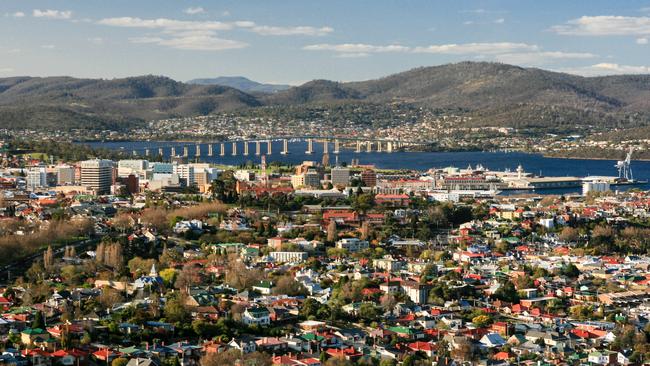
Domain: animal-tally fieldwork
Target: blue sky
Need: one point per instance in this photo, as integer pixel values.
(294, 41)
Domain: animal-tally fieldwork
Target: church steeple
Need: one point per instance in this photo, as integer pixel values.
(153, 272)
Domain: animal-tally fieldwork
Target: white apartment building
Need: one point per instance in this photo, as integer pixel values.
(97, 174)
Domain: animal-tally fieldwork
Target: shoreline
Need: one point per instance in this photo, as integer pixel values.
(584, 158)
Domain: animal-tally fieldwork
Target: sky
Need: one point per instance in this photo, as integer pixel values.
(294, 41)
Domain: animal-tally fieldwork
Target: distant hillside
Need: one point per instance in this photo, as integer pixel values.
(317, 91)
(241, 83)
(64, 102)
(491, 93)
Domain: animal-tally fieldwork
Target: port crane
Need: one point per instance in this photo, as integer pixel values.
(624, 168)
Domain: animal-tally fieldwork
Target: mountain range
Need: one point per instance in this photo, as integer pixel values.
(241, 83)
(493, 93)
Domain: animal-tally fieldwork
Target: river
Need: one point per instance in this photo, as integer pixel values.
(533, 163)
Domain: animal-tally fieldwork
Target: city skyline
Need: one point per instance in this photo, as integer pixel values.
(293, 42)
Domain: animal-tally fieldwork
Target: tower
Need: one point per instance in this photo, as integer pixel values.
(97, 174)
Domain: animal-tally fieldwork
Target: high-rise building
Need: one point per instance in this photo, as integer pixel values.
(340, 176)
(97, 174)
(131, 166)
(369, 178)
(36, 178)
(64, 175)
(312, 178)
(186, 173)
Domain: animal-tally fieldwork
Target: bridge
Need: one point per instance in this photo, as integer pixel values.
(246, 147)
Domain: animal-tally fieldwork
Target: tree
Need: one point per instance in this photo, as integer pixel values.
(581, 312)
(309, 308)
(156, 218)
(463, 351)
(99, 253)
(239, 276)
(120, 361)
(48, 258)
(481, 321)
(363, 202)
(287, 285)
(331, 231)
(109, 297)
(123, 222)
(233, 357)
(570, 270)
(175, 310)
(138, 266)
(569, 234)
(168, 275)
(365, 230)
(39, 320)
(409, 360)
(368, 311)
(507, 292)
(338, 361)
(388, 302)
(188, 277)
(387, 362)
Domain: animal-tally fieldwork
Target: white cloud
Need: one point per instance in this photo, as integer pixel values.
(18, 14)
(266, 30)
(202, 35)
(194, 10)
(164, 23)
(483, 11)
(48, 46)
(352, 55)
(642, 40)
(515, 53)
(605, 25)
(52, 14)
(356, 48)
(479, 48)
(6, 70)
(608, 69)
(96, 40)
(172, 25)
(500, 21)
(197, 42)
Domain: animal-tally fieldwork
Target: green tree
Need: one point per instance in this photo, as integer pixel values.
(368, 311)
(39, 320)
(507, 292)
(175, 310)
(120, 361)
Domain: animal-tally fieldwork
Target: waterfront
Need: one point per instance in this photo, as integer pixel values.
(533, 163)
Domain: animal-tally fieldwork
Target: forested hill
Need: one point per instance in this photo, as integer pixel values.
(494, 93)
(64, 102)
